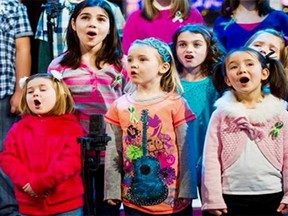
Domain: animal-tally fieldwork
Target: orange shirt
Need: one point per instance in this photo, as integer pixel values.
(151, 171)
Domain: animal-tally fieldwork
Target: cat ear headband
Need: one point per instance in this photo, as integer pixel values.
(55, 74)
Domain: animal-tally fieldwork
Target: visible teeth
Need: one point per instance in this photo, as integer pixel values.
(189, 56)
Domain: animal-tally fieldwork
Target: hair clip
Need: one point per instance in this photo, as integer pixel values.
(22, 82)
(268, 56)
(56, 75)
(157, 44)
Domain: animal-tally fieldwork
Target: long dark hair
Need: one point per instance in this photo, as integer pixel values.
(277, 79)
(111, 51)
(149, 11)
(228, 6)
(215, 50)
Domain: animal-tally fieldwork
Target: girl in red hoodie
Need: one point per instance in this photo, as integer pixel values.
(41, 154)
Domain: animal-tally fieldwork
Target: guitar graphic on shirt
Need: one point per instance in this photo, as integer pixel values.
(146, 188)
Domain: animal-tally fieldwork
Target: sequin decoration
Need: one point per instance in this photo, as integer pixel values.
(147, 188)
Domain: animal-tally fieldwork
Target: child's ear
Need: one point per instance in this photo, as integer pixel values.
(164, 68)
(73, 24)
(265, 74)
(227, 81)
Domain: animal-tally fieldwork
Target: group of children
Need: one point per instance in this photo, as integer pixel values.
(158, 103)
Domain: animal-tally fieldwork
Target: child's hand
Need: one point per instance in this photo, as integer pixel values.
(112, 202)
(28, 189)
(283, 208)
(218, 212)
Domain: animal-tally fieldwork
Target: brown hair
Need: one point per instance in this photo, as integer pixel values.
(284, 47)
(149, 11)
(64, 100)
(228, 6)
(215, 50)
(276, 80)
(111, 51)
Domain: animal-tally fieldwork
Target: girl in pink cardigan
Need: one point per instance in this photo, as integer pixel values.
(245, 164)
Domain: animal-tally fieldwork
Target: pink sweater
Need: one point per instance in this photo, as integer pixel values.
(230, 127)
(162, 27)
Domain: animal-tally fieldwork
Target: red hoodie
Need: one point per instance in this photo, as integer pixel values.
(44, 152)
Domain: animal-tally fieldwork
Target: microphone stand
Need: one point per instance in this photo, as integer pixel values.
(91, 146)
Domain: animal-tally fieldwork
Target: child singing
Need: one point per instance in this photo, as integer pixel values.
(41, 154)
(151, 142)
(245, 154)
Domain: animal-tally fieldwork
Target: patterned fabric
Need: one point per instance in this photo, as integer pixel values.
(61, 24)
(14, 23)
(155, 159)
(93, 92)
(230, 128)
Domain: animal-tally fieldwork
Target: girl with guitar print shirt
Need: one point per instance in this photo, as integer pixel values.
(150, 152)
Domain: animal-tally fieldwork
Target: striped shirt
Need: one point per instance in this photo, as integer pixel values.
(93, 92)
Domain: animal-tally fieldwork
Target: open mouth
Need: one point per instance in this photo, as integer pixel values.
(90, 33)
(133, 73)
(244, 79)
(189, 56)
(37, 102)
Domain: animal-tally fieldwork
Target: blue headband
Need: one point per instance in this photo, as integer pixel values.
(157, 44)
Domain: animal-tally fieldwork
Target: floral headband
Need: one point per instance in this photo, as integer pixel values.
(55, 74)
(157, 44)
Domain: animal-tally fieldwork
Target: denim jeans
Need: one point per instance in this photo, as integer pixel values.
(8, 203)
(76, 212)
(6, 119)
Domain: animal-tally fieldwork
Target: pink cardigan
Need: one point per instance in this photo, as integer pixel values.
(230, 127)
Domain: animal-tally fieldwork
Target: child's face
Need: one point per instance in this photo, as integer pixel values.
(244, 72)
(191, 49)
(145, 66)
(41, 96)
(266, 43)
(92, 26)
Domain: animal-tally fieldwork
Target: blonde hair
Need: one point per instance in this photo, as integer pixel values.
(149, 11)
(64, 100)
(170, 81)
(283, 50)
